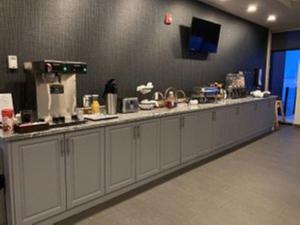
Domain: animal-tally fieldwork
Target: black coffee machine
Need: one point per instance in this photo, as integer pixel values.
(236, 85)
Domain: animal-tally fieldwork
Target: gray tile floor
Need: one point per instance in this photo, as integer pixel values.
(258, 184)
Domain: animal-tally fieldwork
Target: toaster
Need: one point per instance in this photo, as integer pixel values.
(130, 105)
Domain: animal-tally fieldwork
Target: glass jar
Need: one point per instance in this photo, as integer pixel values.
(171, 100)
(95, 104)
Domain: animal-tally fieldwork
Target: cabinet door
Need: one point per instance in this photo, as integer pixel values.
(85, 166)
(39, 178)
(205, 132)
(120, 156)
(266, 112)
(232, 130)
(270, 113)
(256, 118)
(190, 134)
(246, 119)
(219, 126)
(170, 142)
(148, 148)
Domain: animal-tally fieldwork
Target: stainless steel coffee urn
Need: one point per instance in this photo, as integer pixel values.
(111, 97)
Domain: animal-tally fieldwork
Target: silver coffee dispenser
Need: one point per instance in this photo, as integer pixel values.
(51, 89)
(111, 97)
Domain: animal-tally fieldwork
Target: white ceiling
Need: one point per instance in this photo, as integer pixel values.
(287, 12)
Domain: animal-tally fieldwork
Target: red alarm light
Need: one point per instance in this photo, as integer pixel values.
(168, 19)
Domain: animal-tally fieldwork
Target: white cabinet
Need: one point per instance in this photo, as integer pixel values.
(148, 148)
(266, 114)
(246, 120)
(53, 174)
(132, 153)
(170, 142)
(39, 178)
(233, 120)
(219, 124)
(190, 136)
(85, 166)
(205, 132)
(120, 156)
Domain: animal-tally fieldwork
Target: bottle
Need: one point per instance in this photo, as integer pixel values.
(111, 97)
(171, 100)
(87, 104)
(95, 104)
(7, 120)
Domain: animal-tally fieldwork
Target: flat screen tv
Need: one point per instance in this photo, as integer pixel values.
(204, 37)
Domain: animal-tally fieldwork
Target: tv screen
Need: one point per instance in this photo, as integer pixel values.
(204, 36)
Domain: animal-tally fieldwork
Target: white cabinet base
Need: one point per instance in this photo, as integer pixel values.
(52, 178)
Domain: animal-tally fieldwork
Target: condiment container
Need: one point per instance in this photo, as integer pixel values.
(96, 104)
(171, 100)
(87, 103)
(80, 114)
(159, 99)
(7, 120)
(111, 103)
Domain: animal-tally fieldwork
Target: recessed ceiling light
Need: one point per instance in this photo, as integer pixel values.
(252, 8)
(271, 18)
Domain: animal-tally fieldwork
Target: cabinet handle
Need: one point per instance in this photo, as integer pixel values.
(214, 116)
(138, 131)
(62, 146)
(68, 146)
(134, 132)
(183, 122)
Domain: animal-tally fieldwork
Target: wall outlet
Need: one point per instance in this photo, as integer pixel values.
(12, 62)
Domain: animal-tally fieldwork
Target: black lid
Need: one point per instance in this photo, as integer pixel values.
(111, 87)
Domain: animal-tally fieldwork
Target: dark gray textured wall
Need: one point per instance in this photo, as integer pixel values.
(123, 39)
(286, 41)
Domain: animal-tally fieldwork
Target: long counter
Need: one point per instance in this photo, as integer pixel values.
(54, 174)
(132, 117)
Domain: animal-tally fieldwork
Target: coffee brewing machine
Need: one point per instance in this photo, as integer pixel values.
(51, 90)
(236, 85)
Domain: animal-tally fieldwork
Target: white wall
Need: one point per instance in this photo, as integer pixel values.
(297, 111)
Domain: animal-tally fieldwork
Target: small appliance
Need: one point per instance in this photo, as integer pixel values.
(51, 90)
(130, 105)
(236, 85)
(205, 94)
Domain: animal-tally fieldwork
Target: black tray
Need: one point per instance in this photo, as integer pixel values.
(21, 129)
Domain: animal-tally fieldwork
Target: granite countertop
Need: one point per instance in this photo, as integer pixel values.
(132, 117)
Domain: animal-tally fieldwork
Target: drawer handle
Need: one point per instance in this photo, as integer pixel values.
(68, 146)
(135, 132)
(182, 122)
